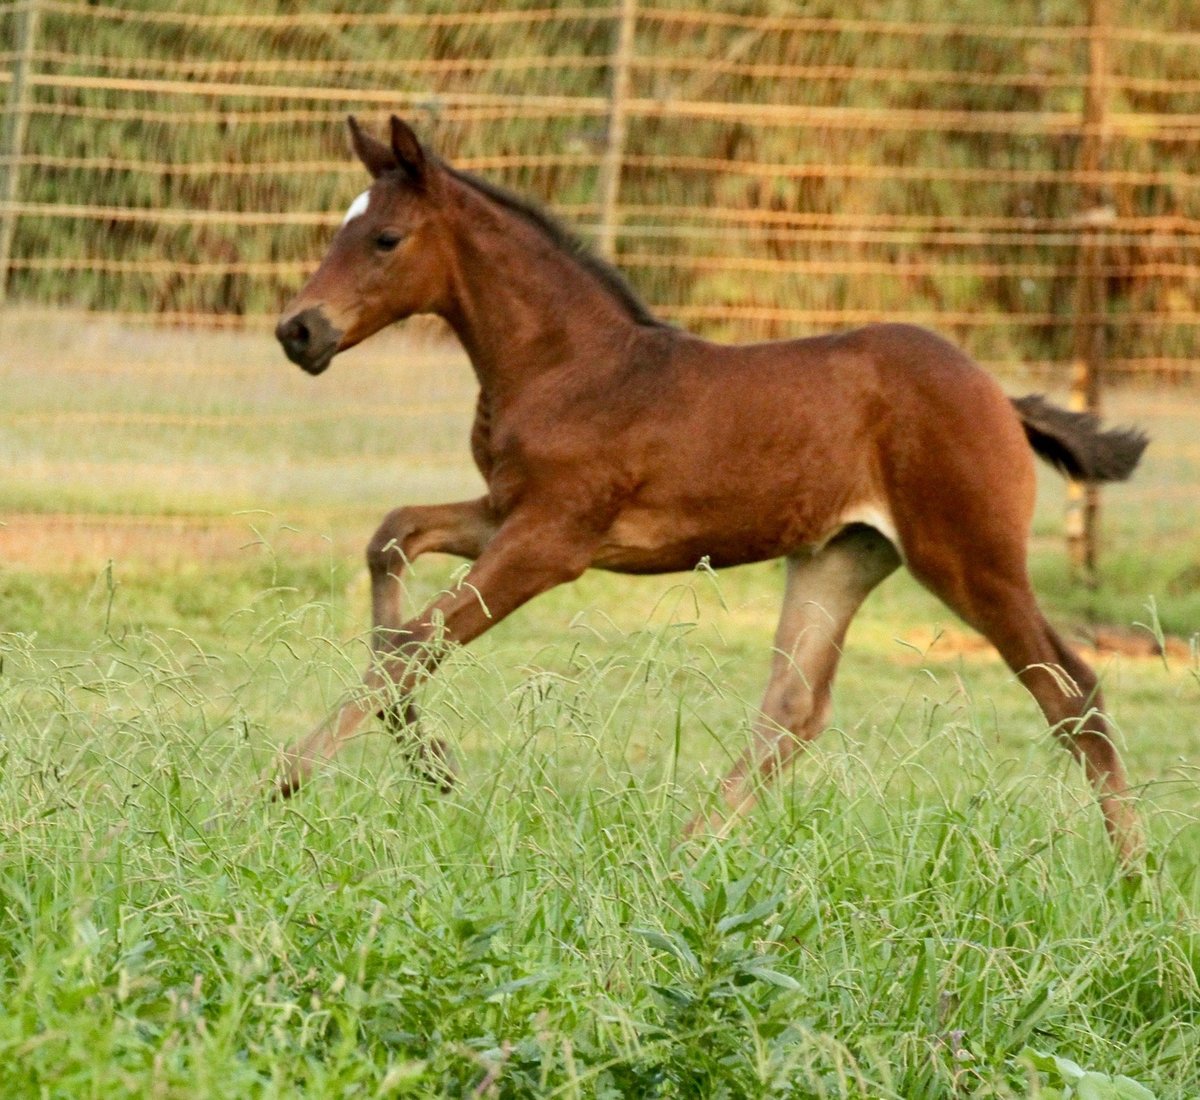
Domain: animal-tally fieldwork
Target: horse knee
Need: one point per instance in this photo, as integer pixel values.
(385, 551)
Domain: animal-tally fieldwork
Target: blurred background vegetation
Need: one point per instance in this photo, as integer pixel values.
(784, 167)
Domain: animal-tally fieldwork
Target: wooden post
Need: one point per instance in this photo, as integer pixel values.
(614, 144)
(1087, 369)
(16, 125)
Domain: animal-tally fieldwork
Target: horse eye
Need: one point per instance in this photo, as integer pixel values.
(388, 240)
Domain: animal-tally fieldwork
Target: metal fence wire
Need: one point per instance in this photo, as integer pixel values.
(1021, 176)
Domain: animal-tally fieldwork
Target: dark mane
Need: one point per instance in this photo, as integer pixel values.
(566, 241)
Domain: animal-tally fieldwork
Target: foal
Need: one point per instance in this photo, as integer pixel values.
(609, 439)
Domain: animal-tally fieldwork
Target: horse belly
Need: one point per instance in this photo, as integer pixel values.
(643, 540)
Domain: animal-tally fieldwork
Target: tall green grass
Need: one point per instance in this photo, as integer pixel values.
(925, 897)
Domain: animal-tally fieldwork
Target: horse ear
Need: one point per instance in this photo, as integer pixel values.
(377, 157)
(406, 147)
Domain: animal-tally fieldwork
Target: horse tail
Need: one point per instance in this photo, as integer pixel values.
(1075, 444)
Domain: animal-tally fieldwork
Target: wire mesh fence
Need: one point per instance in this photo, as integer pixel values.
(756, 172)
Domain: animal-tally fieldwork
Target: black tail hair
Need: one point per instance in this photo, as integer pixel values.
(1075, 444)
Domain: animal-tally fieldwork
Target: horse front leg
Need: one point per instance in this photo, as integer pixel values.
(524, 557)
(462, 529)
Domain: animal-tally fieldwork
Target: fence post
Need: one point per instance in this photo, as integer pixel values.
(1087, 370)
(16, 124)
(614, 142)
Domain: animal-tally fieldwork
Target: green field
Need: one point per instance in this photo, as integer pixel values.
(925, 896)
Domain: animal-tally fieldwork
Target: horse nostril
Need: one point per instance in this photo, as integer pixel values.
(293, 334)
(308, 339)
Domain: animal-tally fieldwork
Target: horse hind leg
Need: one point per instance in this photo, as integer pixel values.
(1088, 737)
(994, 596)
(824, 591)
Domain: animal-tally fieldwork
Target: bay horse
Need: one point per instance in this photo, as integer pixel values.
(610, 439)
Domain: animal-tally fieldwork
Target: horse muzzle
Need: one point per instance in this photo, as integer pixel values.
(309, 339)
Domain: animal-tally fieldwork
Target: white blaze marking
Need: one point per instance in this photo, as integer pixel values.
(358, 207)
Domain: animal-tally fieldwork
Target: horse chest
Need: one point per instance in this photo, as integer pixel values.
(481, 435)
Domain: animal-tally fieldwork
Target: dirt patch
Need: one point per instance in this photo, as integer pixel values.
(1136, 643)
(1098, 641)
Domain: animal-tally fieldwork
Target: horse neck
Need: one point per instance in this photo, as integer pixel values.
(522, 305)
